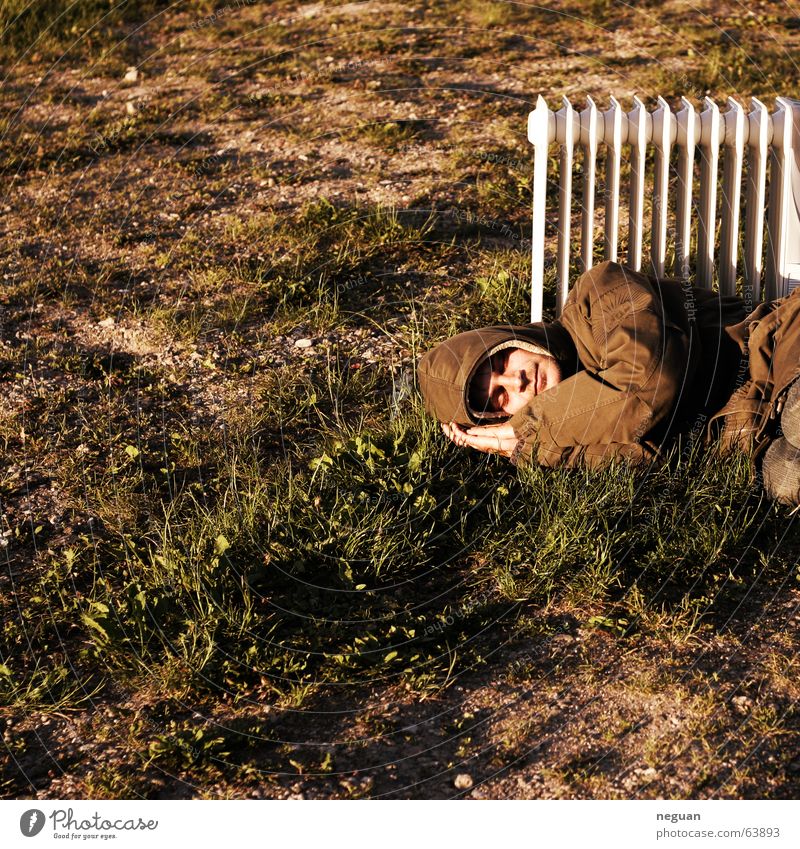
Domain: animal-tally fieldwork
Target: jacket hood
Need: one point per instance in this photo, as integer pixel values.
(446, 370)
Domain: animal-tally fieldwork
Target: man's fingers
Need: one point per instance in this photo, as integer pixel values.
(504, 431)
(482, 441)
(452, 430)
(489, 443)
(493, 439)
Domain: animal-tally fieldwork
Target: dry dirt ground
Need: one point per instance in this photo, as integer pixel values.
(114, 187)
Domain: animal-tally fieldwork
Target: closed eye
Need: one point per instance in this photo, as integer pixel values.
(500, 361)
(499, 364)
(499, 400)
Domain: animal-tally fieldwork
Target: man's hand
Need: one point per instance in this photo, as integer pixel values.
(493, 439)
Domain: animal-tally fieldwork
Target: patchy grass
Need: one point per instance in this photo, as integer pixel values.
(45, 29)
(240, 560)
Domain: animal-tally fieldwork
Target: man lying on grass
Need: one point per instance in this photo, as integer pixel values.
(631, 363)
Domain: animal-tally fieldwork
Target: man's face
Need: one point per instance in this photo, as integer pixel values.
(507, 380)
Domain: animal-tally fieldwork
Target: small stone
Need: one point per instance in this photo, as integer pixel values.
(107, 322)
(303, 343)
(131, 75)
(130, 107)
(463, 781)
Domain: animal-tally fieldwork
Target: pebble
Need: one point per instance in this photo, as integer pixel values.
(131, 75)
(303, 343)
(463, 781)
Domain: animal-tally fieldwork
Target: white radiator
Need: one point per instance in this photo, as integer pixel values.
(735, 137)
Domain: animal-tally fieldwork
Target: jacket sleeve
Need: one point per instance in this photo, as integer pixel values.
(635, 360)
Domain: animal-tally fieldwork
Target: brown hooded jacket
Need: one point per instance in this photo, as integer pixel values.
(644, 359)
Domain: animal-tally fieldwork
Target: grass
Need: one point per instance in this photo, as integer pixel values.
(389, 135)
(213, 537)
(368, 502)
(48, 29)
